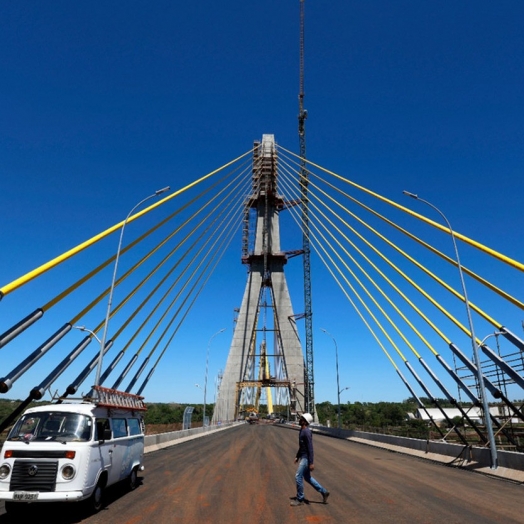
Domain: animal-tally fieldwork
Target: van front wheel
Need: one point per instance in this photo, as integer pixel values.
(97, 497)
(132, 480)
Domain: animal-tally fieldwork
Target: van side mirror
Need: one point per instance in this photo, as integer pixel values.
(106, 435)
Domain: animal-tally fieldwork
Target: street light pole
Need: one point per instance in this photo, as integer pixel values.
(480, 378)
(203, 414)
(338, 382)
(102, 346)
(92, 333)
(207, 364)
(111, 289)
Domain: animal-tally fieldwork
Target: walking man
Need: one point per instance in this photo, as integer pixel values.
(306, 463)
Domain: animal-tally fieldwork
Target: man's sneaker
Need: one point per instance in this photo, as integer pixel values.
(325, 497)
(296, 502)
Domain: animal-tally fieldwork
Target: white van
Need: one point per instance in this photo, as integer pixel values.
(71, 451)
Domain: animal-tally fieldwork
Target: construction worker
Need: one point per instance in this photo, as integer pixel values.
(305, 460)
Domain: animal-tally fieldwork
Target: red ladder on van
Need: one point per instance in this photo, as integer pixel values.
(112, 398)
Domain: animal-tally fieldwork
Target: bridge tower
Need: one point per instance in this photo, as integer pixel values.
(265, 351)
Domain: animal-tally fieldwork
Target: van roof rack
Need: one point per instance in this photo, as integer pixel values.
(113, 398)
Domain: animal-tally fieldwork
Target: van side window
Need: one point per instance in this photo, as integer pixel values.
(101, 425)
(134, 426)
(119, 427)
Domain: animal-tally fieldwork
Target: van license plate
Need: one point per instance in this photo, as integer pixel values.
(25, 495)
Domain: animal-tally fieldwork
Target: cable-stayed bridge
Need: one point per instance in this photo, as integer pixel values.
(381, 266)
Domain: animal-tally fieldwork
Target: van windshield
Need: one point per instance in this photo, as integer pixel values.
(52, 426)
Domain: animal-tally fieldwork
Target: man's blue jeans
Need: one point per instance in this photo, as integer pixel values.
(302, 474)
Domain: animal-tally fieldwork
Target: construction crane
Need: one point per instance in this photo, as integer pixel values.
(304, 181)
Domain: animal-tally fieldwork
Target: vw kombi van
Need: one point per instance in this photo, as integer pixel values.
(72, 451)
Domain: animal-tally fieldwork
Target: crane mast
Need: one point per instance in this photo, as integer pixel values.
(304, 181)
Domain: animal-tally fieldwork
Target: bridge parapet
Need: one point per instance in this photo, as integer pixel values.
(164, 440)
(510, 463)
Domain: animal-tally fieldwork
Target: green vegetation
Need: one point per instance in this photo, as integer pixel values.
(394, 418)
(352, 414)
(378, 414)
(7, 406)
(376, 417)
(173, 413)
(358, 415)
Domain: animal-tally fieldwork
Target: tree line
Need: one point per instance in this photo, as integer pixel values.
(353, 415)
(356, 415)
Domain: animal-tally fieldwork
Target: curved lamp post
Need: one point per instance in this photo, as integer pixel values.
(207, 363)
(111, 289)
(338, 382)
(83, 328)
(480, 378)
(92, 333)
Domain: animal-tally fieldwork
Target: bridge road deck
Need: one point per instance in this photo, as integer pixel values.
(245, 475)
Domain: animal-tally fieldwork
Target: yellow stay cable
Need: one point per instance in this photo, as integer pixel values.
(413, 261)
(185, 314)
(355, 307)
(483, 281)
(171, 270)
(467, 271)
(154, 250)
(426, 295)
(374, 318)
(167, 293)
(485, 249)
(392, 284)
(366, 291)
(406, 277)
(19, 282)
(377, 287)
(371, 314)
(329, 269)
(216, 254)
(385, 333)
(299, 223)
(92, 273)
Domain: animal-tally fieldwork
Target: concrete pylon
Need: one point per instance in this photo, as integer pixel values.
(266, 353)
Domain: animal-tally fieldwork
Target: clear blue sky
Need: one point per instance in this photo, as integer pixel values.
(103, 102)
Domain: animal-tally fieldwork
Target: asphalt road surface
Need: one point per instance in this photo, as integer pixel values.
(245, 475)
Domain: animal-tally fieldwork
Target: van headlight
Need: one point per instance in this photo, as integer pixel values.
(68, 471)
(5, 469)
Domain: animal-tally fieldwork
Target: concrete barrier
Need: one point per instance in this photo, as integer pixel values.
(164, 440)
(510, 463)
